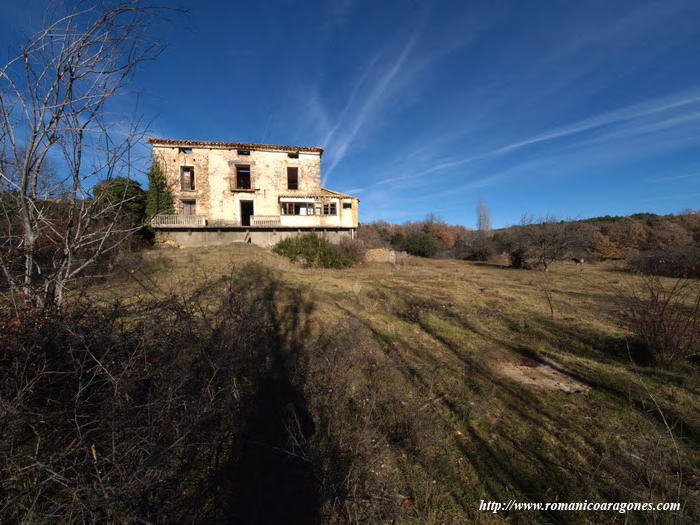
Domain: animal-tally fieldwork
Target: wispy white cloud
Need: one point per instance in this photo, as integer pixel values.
(674, 177)
(351, 100)
(557, 111)
(267, 128)
(391, 78)
(588, 124)
(368, 106)
(630, 116)
(666, 123)
(317, 117)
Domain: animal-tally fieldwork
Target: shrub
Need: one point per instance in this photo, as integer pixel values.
(186, 409)
(665, 320)
(482, 248)
(541, 242)
(353, 249)
(681, 262)
(419, 243)
(313, 252)
(397, 240)
(373, 236)
(124, 196)
(518, 258)
(141, 413)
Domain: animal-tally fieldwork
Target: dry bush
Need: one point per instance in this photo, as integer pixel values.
(474, 246)
(353, 249)
(665, 320)
(541, 242)
(159, 412)
(220, 406)
(373, 236)
(679, 262)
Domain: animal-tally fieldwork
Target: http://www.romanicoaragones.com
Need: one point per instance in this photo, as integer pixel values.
(620, 507)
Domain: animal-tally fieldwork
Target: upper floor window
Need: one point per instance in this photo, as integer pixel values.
(187, 177)
(293, 155)
(347, 205)
(292, 178)
(187, 151)
(329, 209)
(243, 181)
(243, 151)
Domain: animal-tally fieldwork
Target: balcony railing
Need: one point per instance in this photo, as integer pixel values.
(178, 220)
(265, 220)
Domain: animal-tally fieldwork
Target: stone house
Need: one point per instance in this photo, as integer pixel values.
(258, 193)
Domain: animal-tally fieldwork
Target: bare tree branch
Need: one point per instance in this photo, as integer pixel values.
(54, 97)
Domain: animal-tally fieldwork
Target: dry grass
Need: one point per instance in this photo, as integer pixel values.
(420, 395)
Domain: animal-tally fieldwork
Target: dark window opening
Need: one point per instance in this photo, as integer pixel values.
(330, 209)
(189, 207)
(297, 208)
(187, 177)
(293, 155)
(243, 181)
(347, 205)
(292, 178)
(243, 152)
(187, 151)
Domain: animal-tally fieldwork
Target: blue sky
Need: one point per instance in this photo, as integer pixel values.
(573, 108)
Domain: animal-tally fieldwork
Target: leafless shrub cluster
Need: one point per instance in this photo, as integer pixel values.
(673, 262)
(222, 405)
(353, 248)
(664, 318)
(156, 413)
(540, 242)
(373, 236)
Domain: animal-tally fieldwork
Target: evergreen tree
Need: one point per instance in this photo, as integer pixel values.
(159, 198)
(122, 196)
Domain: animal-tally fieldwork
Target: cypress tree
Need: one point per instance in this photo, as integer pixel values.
(159, 198)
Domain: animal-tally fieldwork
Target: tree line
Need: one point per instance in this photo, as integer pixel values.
(666, 244)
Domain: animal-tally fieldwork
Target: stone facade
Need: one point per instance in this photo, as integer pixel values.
(217, 199)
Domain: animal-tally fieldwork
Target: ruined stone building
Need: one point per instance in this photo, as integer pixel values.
(259, 193)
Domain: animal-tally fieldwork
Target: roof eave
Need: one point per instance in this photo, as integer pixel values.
(337, 193)
(156, 141)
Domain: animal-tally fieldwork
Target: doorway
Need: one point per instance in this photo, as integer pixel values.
(247, 212)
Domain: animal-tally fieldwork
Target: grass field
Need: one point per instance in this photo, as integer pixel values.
(443, 383)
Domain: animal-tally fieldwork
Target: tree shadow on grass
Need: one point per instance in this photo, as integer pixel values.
(509, 466)
(181, 407)
(271, 478)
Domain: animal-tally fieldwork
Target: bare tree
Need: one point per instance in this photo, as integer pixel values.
(54, 98)
(544, 240)
(483, 217)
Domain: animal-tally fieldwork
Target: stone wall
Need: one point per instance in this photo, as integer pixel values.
(261, 237)
(215, 172)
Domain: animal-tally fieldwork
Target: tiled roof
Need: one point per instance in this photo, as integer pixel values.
(322, 192)
(232, 145)
(337, 194)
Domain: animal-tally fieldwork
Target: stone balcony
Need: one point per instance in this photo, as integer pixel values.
(178, 221)
(265, 220)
